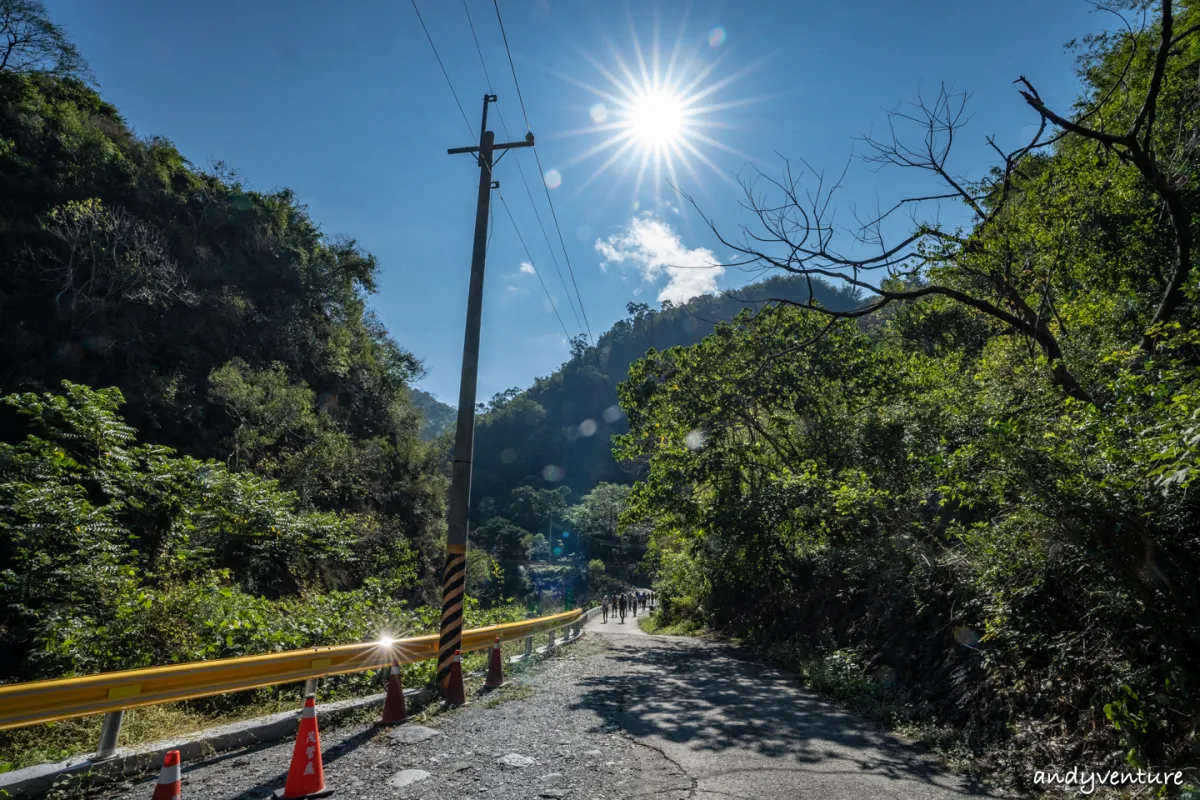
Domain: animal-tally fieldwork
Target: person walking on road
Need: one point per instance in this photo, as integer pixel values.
(621, 608)
(633, 602)
(604, 607)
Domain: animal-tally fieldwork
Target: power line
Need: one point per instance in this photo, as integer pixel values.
(553, 213)
(562, 242)
(529, 192)
(550, 299)
(443, 66)
(491, 229)
(541, 172)
(550, 247)
(482, 63)
(511, 66)
(600, 540)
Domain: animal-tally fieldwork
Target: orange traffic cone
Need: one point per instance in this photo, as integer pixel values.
(393, 706)
(495, 676)
(168, 787)
(306, 776)
(455, 695)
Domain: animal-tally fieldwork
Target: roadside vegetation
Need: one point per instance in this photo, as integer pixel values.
(972, 499)
(950, 483)
(655, 624)
(209, 446)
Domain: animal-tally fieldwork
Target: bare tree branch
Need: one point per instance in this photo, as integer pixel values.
(32, 43)
(1140, 153)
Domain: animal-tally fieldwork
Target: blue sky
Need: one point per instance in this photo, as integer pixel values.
(344, 103)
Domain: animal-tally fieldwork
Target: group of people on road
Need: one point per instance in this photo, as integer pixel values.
(619, 604)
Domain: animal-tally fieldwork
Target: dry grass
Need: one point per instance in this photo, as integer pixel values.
(56, 741)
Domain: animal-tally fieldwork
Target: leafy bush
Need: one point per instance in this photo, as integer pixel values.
(120, 555)
(841, 675)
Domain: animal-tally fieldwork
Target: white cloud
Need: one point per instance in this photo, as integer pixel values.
(654, 248)
(527, 268)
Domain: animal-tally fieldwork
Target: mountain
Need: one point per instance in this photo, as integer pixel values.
(558, 432)
(198, 413)
(437, 415)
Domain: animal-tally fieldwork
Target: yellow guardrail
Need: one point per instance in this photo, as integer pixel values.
(48, 701)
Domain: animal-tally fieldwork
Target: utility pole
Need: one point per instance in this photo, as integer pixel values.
(454, 579)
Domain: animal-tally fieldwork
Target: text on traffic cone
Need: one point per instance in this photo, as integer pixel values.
(169, 787)
(393, 706)
(495, 676)
(306, 776)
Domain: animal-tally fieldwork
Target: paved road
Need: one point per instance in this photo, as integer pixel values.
(738, 729)
(619, 714)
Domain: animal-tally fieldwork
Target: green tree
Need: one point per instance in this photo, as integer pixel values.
(266, 406)
(1027, 262)
(596, 572)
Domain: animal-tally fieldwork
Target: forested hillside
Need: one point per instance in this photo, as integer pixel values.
(981, 513)
(543, 461)
(950, 480)
(436, 415)
(558, 432)
(208, 446)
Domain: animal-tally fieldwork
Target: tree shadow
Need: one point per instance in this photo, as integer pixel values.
(713, 698)
(328, 756)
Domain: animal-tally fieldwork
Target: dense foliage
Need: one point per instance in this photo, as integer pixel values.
(539, 449)
(932, 498)
(972, 485)
(558, 432)
(437, 416)
(208, 445)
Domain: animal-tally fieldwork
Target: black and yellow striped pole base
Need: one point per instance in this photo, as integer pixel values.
(453, 584)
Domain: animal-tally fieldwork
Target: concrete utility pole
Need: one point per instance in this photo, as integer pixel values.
(454, 579)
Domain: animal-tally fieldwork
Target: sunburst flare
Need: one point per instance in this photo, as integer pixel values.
(659, 118)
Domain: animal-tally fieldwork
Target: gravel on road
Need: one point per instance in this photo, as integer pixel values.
(617, 714)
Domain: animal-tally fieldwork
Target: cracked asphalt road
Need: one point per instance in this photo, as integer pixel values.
(618, 714)
(739, 729)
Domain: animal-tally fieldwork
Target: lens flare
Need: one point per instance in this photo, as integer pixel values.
(657, 118)
(658, 112)
(553, 179)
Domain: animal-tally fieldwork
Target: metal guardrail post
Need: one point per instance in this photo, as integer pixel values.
(310, 687)
(529, 647)
(109, 731)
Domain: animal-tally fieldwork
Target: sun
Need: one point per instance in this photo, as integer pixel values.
(661, 114)
(657, 118)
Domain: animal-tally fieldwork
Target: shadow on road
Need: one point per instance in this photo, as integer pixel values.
(328, 756)
(713, 699)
